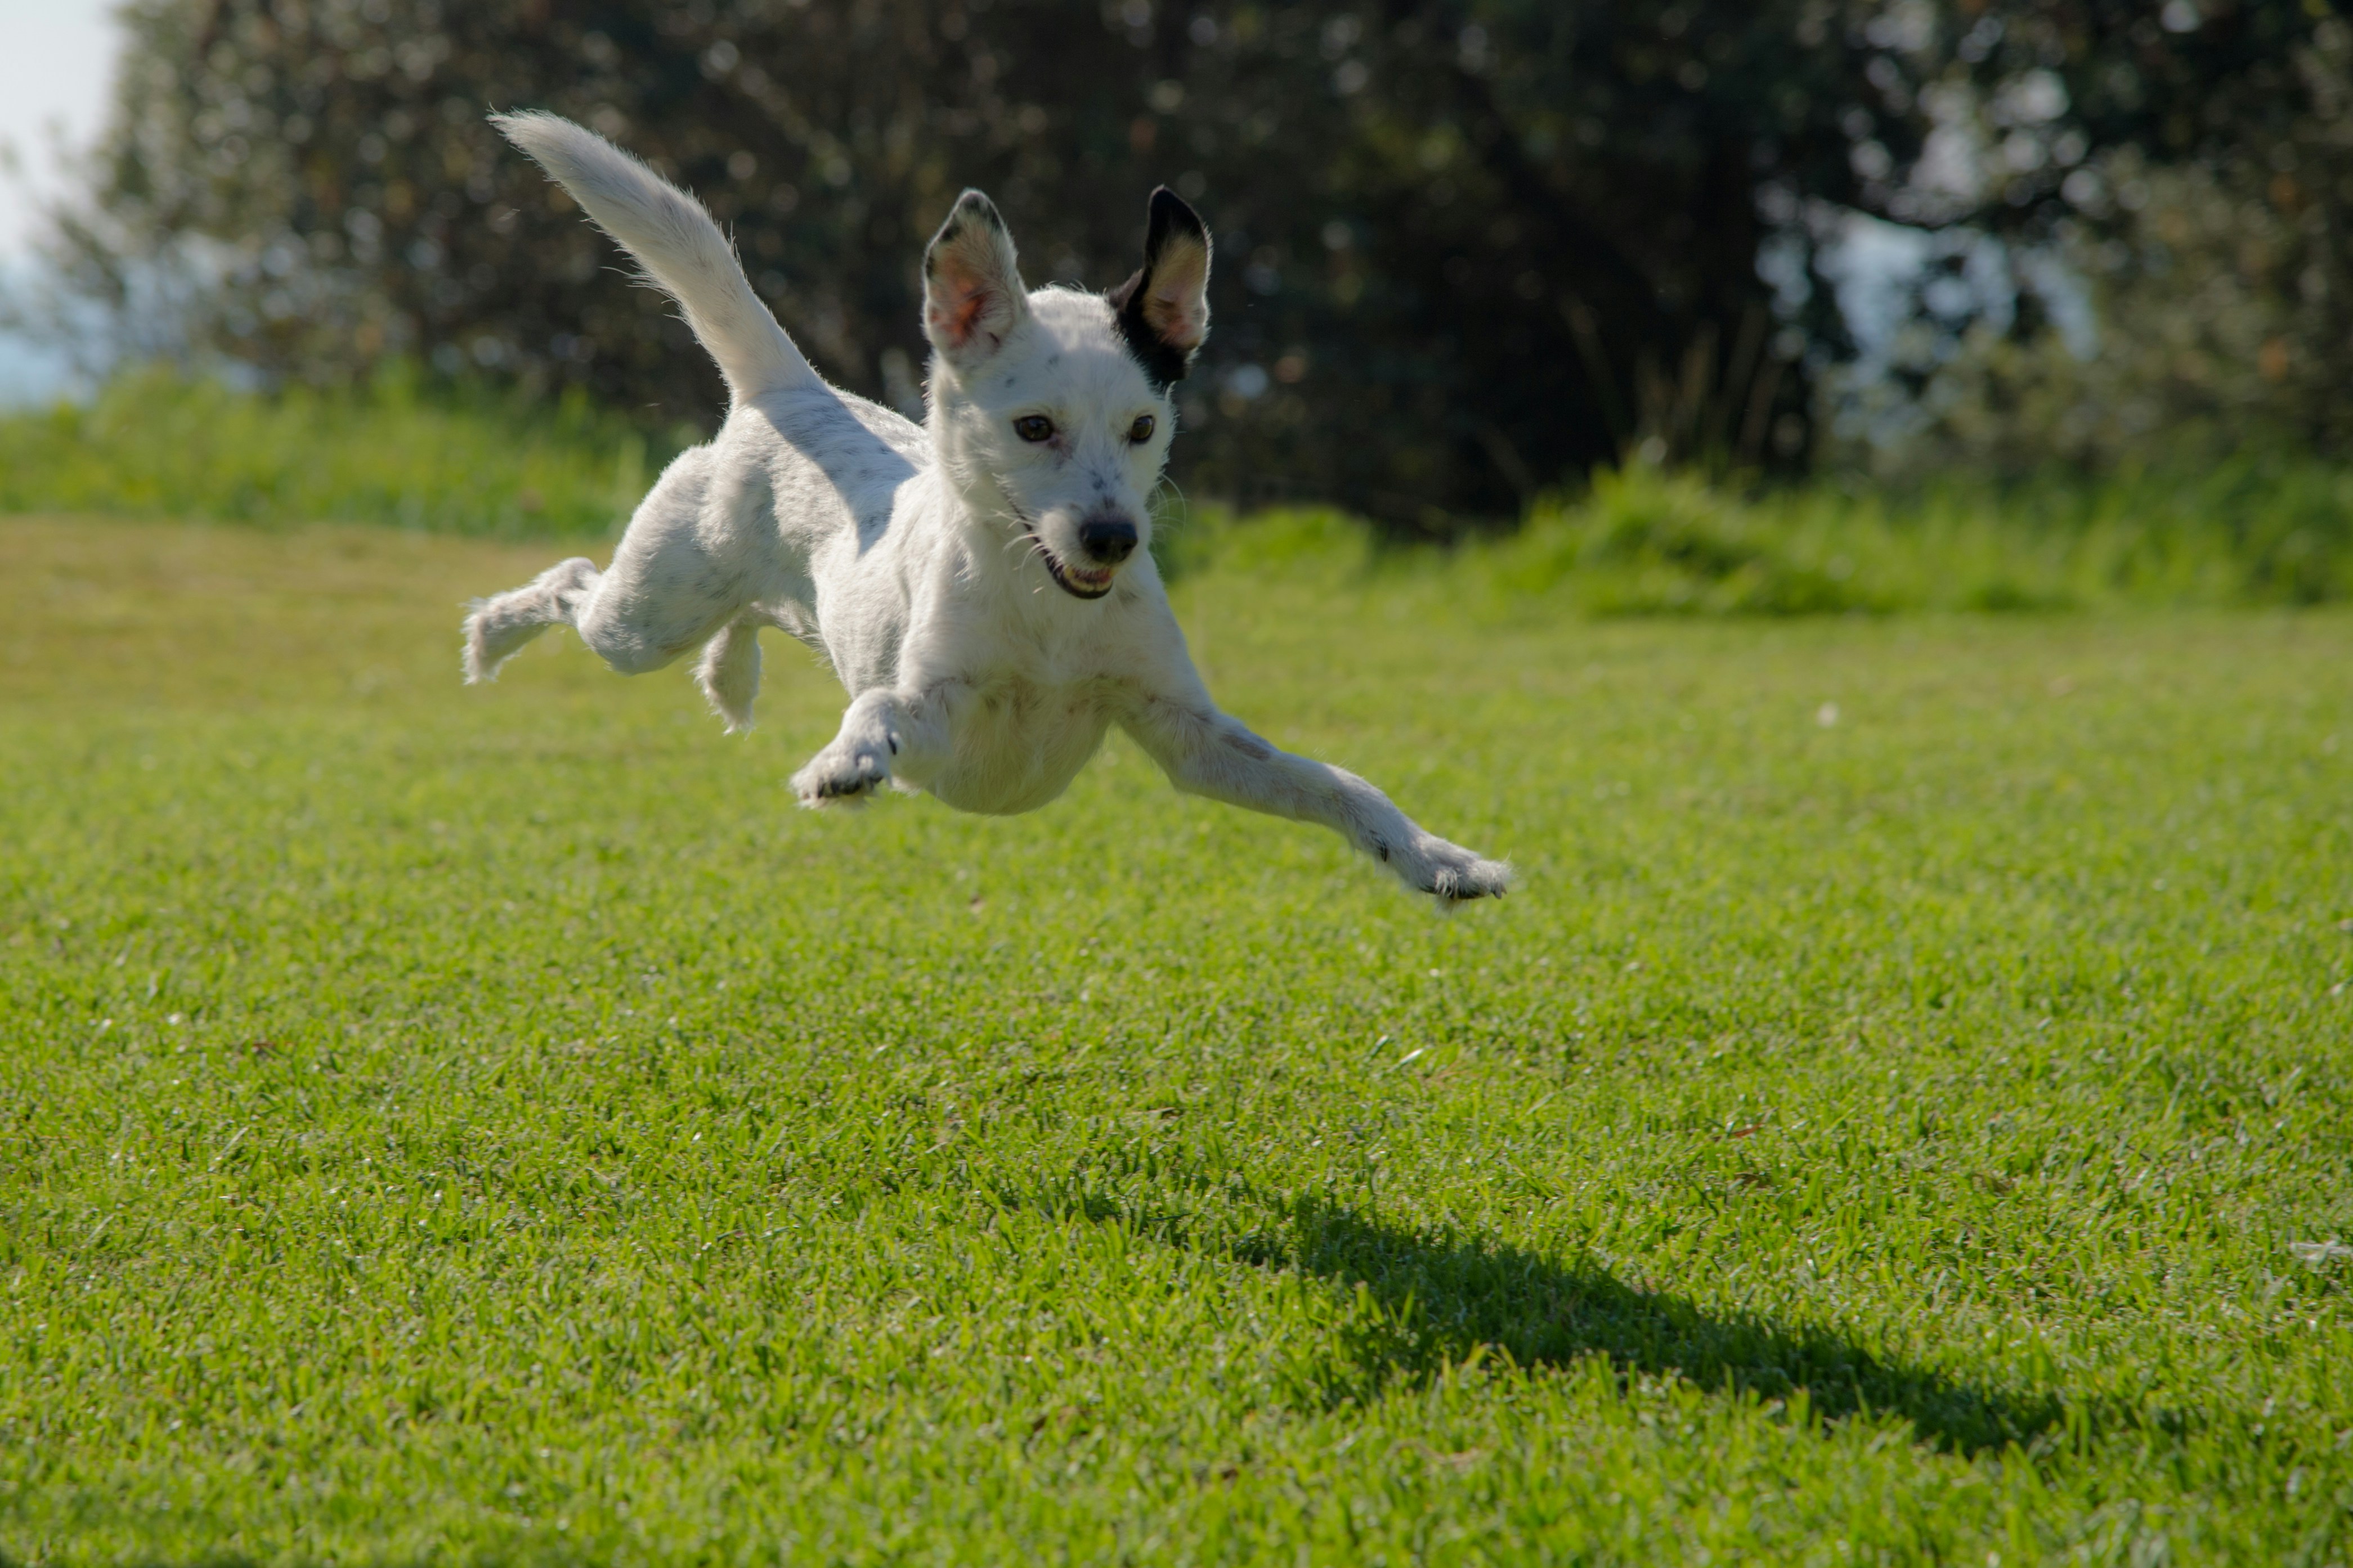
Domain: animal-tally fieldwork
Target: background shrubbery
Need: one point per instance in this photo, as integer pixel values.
(1644, 542)
(462, 460)
(1637, 541)
(1469, 249)
(1641, 542)
(1481, 263)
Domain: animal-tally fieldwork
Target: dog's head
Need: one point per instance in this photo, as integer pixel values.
(1051, 409)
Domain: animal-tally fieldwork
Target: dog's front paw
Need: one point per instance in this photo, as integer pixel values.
(841, 774)
(1450, 873)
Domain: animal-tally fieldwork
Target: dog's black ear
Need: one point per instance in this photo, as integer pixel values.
(973, 297)
(1164, 310)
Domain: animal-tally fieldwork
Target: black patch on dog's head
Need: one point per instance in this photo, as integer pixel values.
(1164, 342)
(1164, 366)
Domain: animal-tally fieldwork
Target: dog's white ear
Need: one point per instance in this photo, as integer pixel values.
(1164, 310)
(973, 297)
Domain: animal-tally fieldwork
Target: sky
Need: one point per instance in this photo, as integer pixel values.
(57, 58)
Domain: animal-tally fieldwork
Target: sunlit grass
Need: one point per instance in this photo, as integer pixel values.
(154, 445)
(2254, 530)
(1643, 543)
(493, 1126)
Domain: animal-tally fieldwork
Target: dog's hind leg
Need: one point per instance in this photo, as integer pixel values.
(500, 624)
(729, 671)
(692, 557)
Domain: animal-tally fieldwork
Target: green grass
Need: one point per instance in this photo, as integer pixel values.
(493, 1127)
(1641, 543)
(469, 462)
(2250, 531)
(2255, 530)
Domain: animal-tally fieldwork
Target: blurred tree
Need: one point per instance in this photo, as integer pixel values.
(1467, 247)
(2190, 166)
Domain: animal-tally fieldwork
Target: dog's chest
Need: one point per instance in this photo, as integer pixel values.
(1018, 740)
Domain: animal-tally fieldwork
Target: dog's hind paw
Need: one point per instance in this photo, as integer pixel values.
(491, 640)
(840, 774)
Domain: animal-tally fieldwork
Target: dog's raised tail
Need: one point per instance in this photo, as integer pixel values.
(675, 241)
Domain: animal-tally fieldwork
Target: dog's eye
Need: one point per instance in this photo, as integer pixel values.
(1140, 431)
(1034, 427)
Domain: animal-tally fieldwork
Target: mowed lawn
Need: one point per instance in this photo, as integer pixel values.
(1899, 1119)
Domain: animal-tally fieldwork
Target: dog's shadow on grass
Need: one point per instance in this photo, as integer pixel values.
(1441, 1299)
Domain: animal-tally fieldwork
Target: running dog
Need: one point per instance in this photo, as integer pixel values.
(982, 582)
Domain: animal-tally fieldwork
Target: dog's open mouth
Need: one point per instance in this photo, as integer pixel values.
(1079, 582)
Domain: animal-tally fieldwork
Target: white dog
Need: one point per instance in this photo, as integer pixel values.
(982, 581)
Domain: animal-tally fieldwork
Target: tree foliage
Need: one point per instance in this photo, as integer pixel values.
(2188, 168)
(1467, 247)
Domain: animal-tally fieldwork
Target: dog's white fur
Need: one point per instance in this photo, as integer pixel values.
(940, 568)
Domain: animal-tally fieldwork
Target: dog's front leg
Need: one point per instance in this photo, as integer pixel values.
(1206, 752)
(884, 731)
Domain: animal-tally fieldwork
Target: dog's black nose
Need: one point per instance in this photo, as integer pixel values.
(1109, 539)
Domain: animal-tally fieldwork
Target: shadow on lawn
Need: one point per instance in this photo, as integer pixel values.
(1440, 1297)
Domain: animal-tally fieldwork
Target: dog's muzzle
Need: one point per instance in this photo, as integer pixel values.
(1107, 540)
